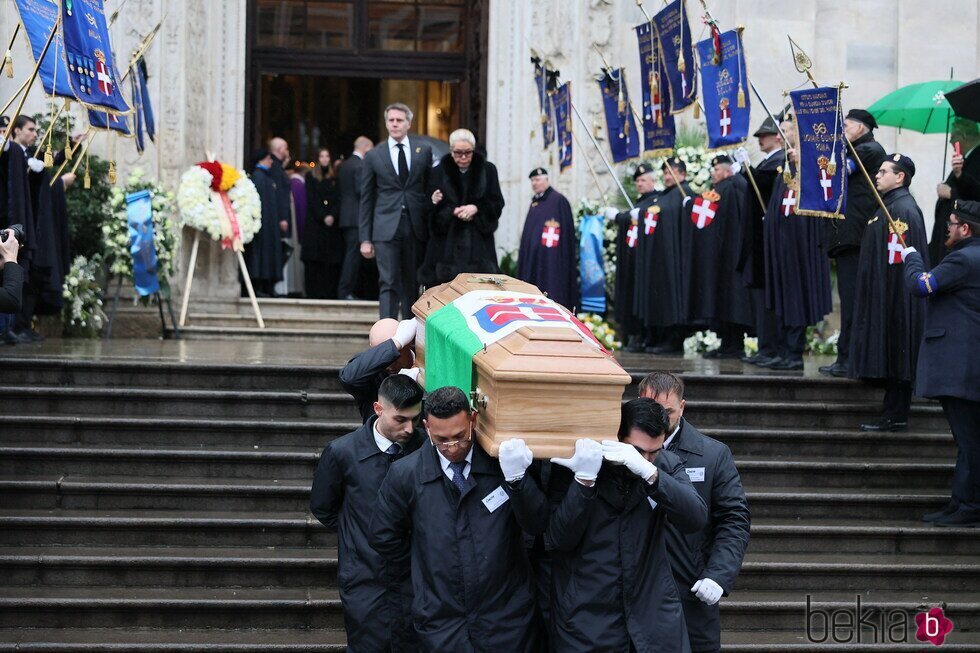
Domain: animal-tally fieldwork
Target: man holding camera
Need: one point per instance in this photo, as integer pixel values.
(11, 274)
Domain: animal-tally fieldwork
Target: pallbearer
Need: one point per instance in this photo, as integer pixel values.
(888, 324)
(548, 255)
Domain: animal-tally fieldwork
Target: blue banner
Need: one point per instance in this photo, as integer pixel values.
(144, 107)
(624, 141)
(822, 170)
(591, 267)
(677, 48)
(139, 216)
(115, 122)
(89, 52)
(723, 83)
(38, 18)
(659, 133)
(563, 124)
(545, 104)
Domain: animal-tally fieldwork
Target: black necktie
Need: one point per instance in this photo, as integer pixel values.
(402, 163)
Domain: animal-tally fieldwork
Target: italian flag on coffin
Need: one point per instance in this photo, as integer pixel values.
(458, 330)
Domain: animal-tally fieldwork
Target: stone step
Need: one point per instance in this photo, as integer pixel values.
(307, 322)
(859, 539)
(168, 374)
(181, 431)
(794, 503)
(847, 443)
(821, 641)
(285, 462)
(803, 414)
(355, 310)
(756, 386)
(165, 567)
(748, 612)
(328, 336)
(172, 640)
(75, 527)
(818, 572)
(85, 607)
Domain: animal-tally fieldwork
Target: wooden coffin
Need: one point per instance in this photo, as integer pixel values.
(545, 385)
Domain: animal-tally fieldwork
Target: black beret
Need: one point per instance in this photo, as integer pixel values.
(863, 116)
(768, 128)
(641, 170)
(967, 210)
(721, 158)
(674, 162)
(537, 172)
(903, 163)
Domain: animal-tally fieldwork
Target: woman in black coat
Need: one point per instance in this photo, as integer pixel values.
(323, 244)
(467, 207)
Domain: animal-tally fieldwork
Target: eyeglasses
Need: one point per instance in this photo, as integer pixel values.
(463, 153)
(452, 444)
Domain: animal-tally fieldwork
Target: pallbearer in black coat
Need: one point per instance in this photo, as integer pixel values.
(548, 257)
(627, 238)
(264, 253)
(797, 269)
(665, 268)
(323, 240)
(888, 322)
(706, 562)
(948, 369)
(718, 296)
(461, 513)
(614, 590)
(392, 349)
(376, 592)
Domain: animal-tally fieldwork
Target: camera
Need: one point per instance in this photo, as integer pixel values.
(17, 230)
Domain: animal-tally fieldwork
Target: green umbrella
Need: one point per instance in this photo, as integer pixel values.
(920, 107)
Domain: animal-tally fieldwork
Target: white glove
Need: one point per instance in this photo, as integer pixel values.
(586, 460)
(635, 214)
(736, 167)
(708, 591)
(741, 155)
(609, 213)
(686, 200)
(514, 458)
(411, 372)
(37, 165)
(621, 453)
(405, 333)
(907, 251)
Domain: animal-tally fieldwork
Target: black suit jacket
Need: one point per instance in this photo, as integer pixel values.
(363, 374)
(383, 195)
(13, 282)
(348, 191)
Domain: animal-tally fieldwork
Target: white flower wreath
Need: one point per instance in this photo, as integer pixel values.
(200, 208)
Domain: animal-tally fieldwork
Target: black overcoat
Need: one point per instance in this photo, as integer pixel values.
(553, 269)
(320, 242)
(264, 252)
(363, 374)
(376, 592)
(613, 585)
(470, 574)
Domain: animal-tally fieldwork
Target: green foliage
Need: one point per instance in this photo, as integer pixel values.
(508, 263)
(89, 209)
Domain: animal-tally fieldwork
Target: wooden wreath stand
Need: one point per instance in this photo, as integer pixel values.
(189, 283)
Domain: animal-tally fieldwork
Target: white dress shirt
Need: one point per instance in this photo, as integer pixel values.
(382, 442)
(671, 437)
(445, 464)
(393, 151)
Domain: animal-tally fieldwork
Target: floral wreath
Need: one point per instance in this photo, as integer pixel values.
(220, 200)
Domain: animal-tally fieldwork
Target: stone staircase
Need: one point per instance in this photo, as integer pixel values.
(154, 505)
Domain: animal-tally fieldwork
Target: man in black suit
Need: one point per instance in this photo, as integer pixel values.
(349, 194)
(11, 274)
(949, 367)
(392, 221)
(376, 592)
(706, 562)
(391, 351)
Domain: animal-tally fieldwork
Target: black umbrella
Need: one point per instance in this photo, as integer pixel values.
(965, 100)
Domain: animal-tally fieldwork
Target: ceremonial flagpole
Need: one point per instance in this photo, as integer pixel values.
(803, 64)
(8, 57)
(602, 155)
(595, 177)
(639, 120)
(30, 80)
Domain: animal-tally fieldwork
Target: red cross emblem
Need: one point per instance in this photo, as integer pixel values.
(789, 202)
(894, 249)
(725, 121)
(703, 212)
(650, 220)
(631, 235)
(827, 184)
(656, 108)
(550, 234)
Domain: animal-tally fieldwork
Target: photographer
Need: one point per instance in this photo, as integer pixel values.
(11, 274)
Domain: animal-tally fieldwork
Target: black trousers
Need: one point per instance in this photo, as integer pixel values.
(963, 416)
(397, 266)
(25, 318)
(897, 400)
(703, 624)
(792, 342)
(767, 329)
(350, 274)
(847, 269)
(732, 337)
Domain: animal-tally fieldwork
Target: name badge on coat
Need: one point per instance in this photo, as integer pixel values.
(696, 474)
(496, 499)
